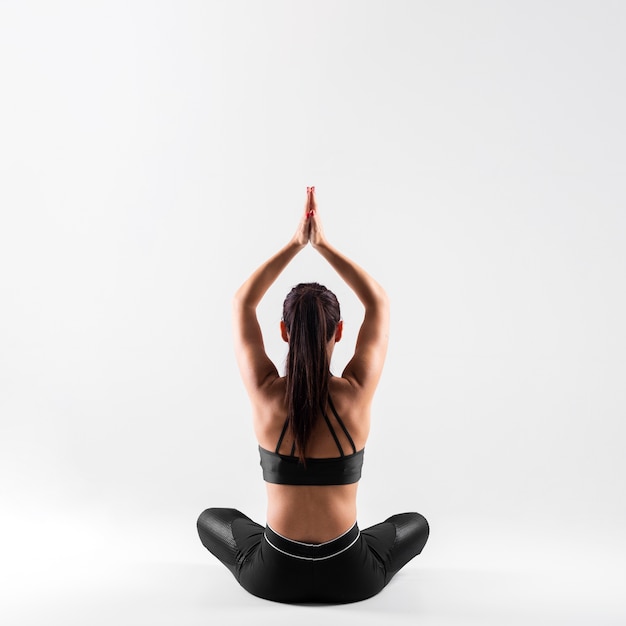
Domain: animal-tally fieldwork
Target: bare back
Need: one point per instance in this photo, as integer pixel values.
(312, 513)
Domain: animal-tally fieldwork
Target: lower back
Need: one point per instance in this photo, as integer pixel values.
(312, 514)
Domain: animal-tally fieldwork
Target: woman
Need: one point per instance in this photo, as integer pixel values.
(311, 549)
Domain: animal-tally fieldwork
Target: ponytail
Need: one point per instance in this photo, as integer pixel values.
(311, 314)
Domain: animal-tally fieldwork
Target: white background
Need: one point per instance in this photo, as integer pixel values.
(471, 156)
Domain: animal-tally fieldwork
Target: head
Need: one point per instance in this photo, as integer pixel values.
(319, 307)
(311, 325)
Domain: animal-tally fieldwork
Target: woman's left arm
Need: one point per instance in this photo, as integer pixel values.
(257, 370)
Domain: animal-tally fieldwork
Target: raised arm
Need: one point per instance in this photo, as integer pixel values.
(257, 370)
(365, 367)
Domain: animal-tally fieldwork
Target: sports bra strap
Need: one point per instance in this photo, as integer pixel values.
(330, 428)
(282, 435)
(343, 426)
(332, 432)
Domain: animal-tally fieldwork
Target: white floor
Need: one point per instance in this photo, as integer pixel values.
(119, 580)
(193, 593)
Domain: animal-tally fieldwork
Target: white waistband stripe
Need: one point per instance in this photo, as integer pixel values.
(310, 558)
(302, 543)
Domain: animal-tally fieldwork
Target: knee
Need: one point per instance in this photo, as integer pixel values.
(215, 518)
(216, 534)
(422, 528)
(412, 528)
(205, 519)
(205, 515)
(206, 525)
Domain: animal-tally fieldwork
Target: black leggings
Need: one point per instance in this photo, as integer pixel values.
(352, 567)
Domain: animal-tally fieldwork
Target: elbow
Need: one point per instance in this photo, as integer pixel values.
(378, 299)
(238, 300)
(241, 300)
(382, 295)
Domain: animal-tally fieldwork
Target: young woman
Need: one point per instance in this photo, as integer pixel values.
(311, 427)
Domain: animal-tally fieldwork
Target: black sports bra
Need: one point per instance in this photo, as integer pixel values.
(284, 469)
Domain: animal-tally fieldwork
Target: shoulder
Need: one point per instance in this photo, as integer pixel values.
(343, 390)
(268, 405)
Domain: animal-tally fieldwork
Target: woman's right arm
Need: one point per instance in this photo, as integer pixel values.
(364, 369)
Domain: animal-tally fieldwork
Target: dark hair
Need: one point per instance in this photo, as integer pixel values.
(311, 314)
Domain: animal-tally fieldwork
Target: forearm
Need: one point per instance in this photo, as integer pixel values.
(367, 290)
(251, 292)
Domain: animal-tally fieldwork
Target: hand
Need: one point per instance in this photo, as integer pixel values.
(316, 232)
(301, 236)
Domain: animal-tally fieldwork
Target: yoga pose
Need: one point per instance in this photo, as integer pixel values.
(311, 428)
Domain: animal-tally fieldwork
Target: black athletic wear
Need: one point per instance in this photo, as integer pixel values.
(352, 567)
(288, 470)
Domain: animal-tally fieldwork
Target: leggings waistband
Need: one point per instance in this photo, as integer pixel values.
(312, 551)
